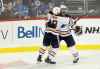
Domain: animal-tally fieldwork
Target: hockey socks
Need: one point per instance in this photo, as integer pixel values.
(51, 56)
(75, 54)
(41, 53)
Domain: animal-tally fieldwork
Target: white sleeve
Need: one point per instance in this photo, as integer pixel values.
(71, 23)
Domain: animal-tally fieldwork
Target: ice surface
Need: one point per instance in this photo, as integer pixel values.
(27, 60)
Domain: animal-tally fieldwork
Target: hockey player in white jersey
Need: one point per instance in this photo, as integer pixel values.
(65, 25)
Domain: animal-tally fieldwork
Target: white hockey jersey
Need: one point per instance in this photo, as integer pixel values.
(65, 25)
(62, 24)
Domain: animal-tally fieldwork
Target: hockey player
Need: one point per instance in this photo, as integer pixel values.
(50, 37)
(66, 24)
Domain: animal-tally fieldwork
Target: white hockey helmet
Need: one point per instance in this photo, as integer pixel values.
(56, 10)
(64, 8)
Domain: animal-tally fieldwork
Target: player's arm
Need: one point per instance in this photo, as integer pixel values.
(74, 19)
(49, 16)
(75, 27)
(71, 23)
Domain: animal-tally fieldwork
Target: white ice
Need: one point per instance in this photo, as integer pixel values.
(27, 60)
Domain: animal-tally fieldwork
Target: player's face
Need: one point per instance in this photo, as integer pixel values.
(64, 10)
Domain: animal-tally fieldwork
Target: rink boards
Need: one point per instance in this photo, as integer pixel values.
(27, 35)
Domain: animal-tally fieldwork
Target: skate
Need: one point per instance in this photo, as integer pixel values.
(39, 59)
(76, 60)
(47, 60)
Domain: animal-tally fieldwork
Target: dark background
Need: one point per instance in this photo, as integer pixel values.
(75, 7)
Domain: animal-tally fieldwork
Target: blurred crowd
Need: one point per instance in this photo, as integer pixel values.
(39, 8)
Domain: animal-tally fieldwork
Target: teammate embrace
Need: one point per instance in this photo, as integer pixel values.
(58, 27)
